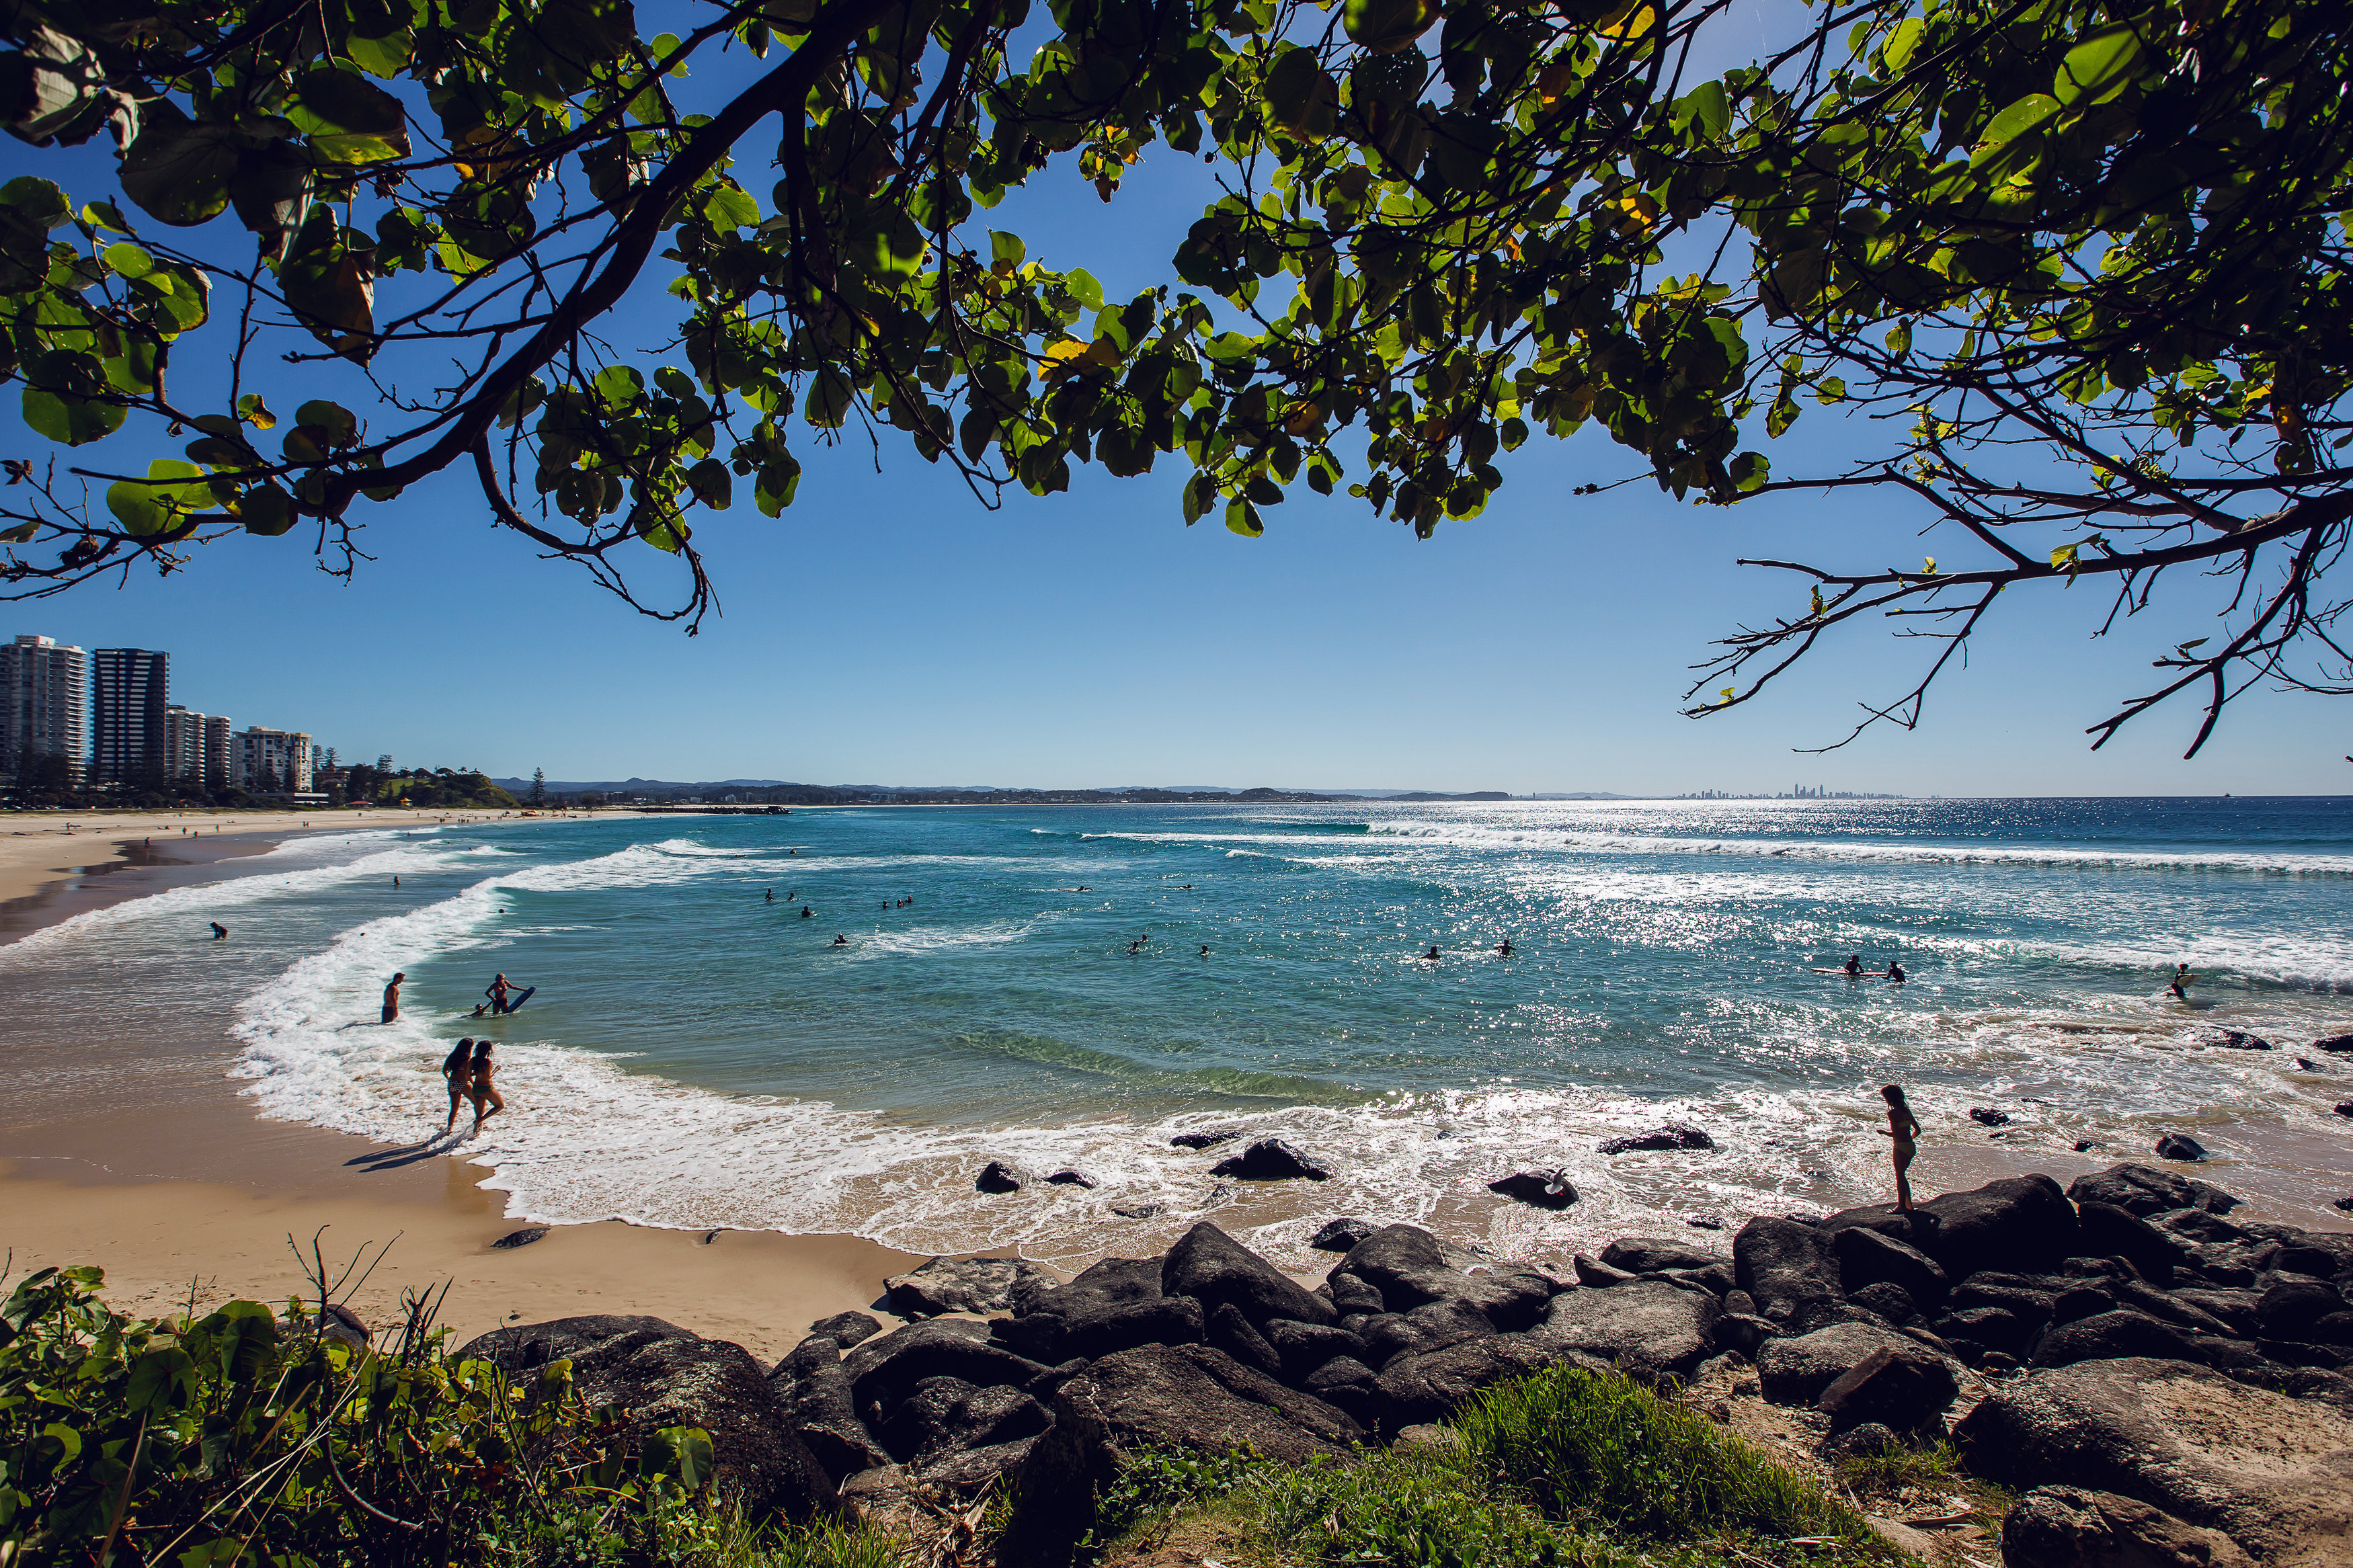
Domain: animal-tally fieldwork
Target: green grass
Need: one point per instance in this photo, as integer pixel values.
(1901, 1468)
(1562, 1469)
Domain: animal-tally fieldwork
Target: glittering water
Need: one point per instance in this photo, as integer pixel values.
(698, 1055)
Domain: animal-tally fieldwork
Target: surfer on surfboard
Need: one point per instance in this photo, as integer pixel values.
(2179, 982)
(1854, 964)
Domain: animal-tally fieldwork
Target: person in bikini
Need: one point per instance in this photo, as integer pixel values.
(487, 1103)
(1903, 1128)
(457, 1067)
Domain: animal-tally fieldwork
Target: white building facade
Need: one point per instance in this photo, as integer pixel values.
(44, 703)
(263, 757)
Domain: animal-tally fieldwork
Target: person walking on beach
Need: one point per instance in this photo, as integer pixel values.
(457, 1067)
(1903, 1128)
(392, 999)
(220, 930)
(485, 1093)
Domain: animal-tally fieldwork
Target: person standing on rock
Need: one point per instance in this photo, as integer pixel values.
(1905, 1129)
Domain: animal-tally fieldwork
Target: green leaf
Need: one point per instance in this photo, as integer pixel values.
(162, 1380)
(2027, 116)
(2064, 556)
(2100, 68)
(254, 411)
(66, 1438)
(267, 510)
(713, 485)
(1901, 43)
(327, 278)
(64, 398)
(337, 426)
(129, 260)
(1386, 27)
(178, 170)
(1242, 518)
(159, 505)
(829, 399)
(1301, 96)
(348, 119)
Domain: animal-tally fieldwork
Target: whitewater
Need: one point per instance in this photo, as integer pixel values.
(700, 1055)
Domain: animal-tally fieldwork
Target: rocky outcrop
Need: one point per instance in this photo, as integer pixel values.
(1340, 1235)
(2180, 1146)
(1653, 1329)
(1432, 1386)
(2067, 1527)
(2146, 1190)
(2266, 1469)
(960, 1284)
(1271, 1159)
(1205, 1138)
(996, 1177)
(1790, 1270)
(1211, 1266)
(1673, 1135)
(664, 1375)
(820, 1412)
(1545, 1189)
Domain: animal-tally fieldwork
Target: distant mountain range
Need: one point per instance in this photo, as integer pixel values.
(707, 789)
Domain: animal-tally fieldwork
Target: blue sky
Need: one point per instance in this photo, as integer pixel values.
(888, 629)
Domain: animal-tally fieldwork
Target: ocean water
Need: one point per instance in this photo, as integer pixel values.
(698, 1056)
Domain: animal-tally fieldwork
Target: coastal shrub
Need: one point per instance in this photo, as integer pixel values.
(1601, 1448)
(245, 1437)
(1158, 1483)
(1413, 1511)
(1900, 1468)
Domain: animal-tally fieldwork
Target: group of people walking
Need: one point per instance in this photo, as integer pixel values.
(472, 1073)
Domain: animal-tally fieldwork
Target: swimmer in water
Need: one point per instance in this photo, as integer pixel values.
(220, 930)
(1905, 1129)
(1205, 950)
(1503, 947)
(1432, 954)
(806, 911)
(1854, 964)
(772, 895)
(1894, 973)
(840, 941)
(392, 999)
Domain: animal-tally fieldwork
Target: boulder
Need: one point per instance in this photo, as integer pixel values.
(2015, 1221)
(1211, 1266)
(2148, 1190)
(1656, 1255)
(1207, 1138)
(1790, 1269)
(1796, 1371)
(1106, 1283)
(944, 1414)
(1867, 1257)
(664, 1375)
(2113, 1232)
(2337, 1044)
(1741, 1332)
(847, 1329)
(2234, 1040)
(820, 1412)
(882, 1370)
(1596, 1275)
(2180, 1146)
(522, 1238)
(1305, 1347)
(1342, 1234)
(1432, 1386)
(1673, 1135)
(1169, 1321)
(1271, 1159)
(1072, 1178)
(967, 1470)
(1429, 1327)
(1167, 1396)
(1866, 1440)
(1545, 1189)
(959, 1285)
(1987, 1116)
(1904, 1387)
(1135, 1211)
(1887, 1300)
(2261, 1466)
(1236, 1336)
(2289, 1309)
(996, 1177)
(2067, 1527)
(2344, 1108)
(1653, 1329)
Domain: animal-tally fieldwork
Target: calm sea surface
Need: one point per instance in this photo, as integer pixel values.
(698, 1056)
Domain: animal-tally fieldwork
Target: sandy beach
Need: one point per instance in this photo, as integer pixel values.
(180, 1193)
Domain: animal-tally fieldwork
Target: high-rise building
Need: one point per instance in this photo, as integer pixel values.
(127, 735)
(183, 745)
(264, 757)
(220, 752)
(44, 703)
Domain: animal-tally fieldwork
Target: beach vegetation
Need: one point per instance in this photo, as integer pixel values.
(255, 1436)
(1564, 1466)
(2065, 282)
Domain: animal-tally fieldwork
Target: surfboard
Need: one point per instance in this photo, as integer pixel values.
(516, 1005)
(1857, 975)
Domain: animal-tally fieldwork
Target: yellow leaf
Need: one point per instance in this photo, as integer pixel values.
(1642, 20)
(1730, 689)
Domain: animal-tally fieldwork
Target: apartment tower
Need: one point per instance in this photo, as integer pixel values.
(44, 703)
(129, 738)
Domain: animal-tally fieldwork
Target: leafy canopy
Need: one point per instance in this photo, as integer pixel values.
(2073, 275)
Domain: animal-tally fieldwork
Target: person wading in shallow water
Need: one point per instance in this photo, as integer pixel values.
(392, 999)
(457, 1067)
(487, 1103)
(1903, 1128)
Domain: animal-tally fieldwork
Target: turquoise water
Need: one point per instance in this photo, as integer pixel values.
(698, 1056)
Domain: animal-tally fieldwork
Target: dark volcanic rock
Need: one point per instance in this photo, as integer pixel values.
(1742, 1332)
(2235, 1040)
(665, 1376)
(1655, 1255)
(2148, 1191)
(1211, 1266)
(2180, 1146)
(847, 1329)
(2067, 1527)
(1546, 1189)
(522, 1238)
(2338, 1043)
(1596, 1275)
(1305, 1347)
(1650, 1328)
(1342, 1234)
(1987, 1116)
(969, 1469)
(2289, 1309)
(1433, 1385)
(820, 1410)
(2016, 1222)
(996, 1177)
(1673, 1135)
(2108, 1336)
(882, 1370)
(1887, 1299)
(946, 1413)
(1432, 1326)
(1236, 1336)
(1904, 1387)
(960, 1284)
(1135, 1211)
(1172, 1396)
(2113, 1232)
(2258, 1465)
(1109, 1282)
(1796, 1371)
(1271, 1159)
(1170, 1320)
(1867, 1257)
(1790, 1269)
(1208, 1138)
(1072, 1178)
